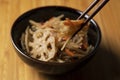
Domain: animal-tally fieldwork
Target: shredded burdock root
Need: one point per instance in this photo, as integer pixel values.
(43, 41)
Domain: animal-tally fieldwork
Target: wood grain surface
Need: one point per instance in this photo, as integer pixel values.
(105, 65)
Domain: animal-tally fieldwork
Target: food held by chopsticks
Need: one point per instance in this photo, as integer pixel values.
(43, 41)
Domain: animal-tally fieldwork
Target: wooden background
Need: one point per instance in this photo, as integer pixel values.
(105, 65)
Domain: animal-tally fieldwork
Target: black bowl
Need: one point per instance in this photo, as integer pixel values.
(42, 14)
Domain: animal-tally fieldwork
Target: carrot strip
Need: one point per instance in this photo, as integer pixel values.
(68, 52)
(85, 45)
(65, 38)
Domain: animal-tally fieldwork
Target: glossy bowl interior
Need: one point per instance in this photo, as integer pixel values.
(42, 14)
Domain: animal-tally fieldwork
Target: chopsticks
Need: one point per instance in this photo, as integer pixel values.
(100, 6)
(88, 9)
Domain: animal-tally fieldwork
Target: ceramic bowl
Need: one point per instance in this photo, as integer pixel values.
(42, 14)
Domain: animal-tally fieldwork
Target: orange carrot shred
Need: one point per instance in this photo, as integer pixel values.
(68, 52)
(65, 38)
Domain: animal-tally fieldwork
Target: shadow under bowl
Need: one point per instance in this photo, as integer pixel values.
(42, 14)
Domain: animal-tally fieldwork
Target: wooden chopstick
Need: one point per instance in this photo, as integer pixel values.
(91, 16)
(88, 19)
(88, 9)
(96, 10)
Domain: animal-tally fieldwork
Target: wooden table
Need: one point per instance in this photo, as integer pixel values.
(105, 65)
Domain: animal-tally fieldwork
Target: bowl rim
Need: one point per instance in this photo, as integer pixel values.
(21, 51)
